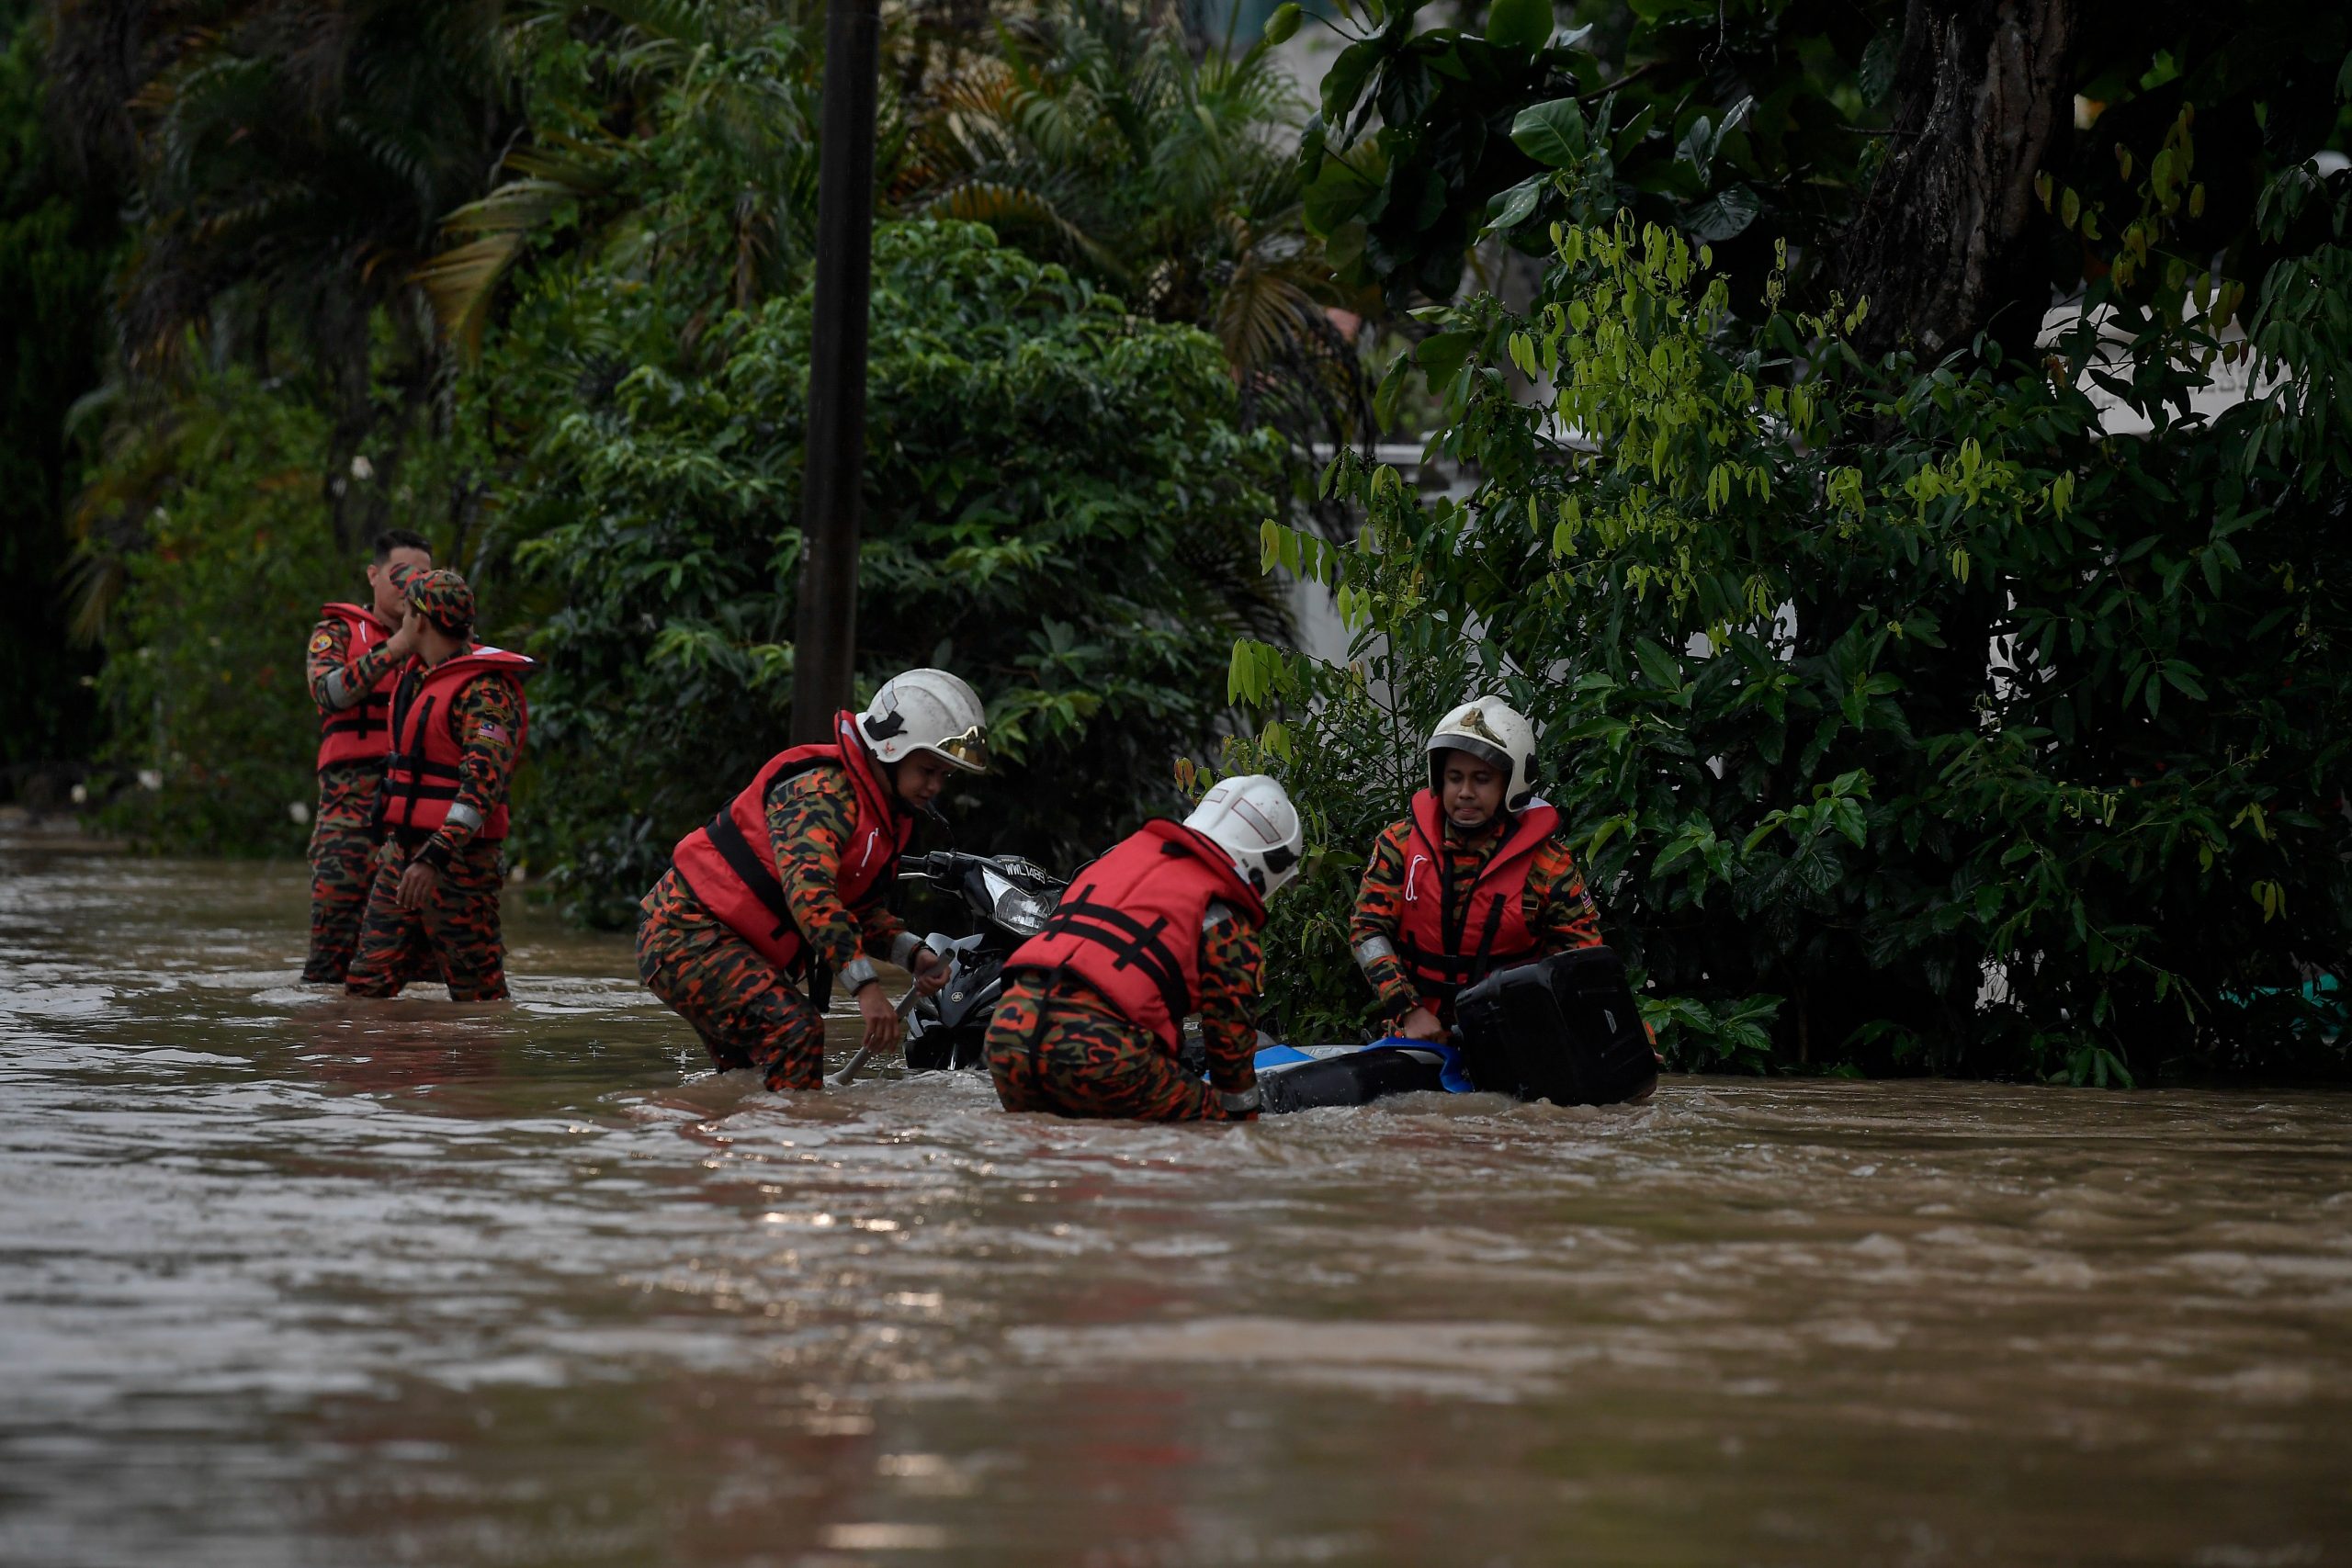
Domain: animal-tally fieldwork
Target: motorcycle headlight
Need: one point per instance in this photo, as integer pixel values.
(1022, 913)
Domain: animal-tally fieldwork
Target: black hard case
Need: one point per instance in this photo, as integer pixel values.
(1562, 1028)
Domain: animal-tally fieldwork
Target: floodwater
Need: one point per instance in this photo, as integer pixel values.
(288, 1280)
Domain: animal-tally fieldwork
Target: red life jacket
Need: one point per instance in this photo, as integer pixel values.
(421, 771)
(362, 732)
(1130, 924)
(730, 862)
(1444, 947)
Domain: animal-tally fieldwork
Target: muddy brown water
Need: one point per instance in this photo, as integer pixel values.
(288, 1280)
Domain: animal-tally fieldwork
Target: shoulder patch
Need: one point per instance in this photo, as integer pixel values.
(322, 642)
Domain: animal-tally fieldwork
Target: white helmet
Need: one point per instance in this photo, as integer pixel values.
(927, 710)
(1492, 731)
(1252, 820)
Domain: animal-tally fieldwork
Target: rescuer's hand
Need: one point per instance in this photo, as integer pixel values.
(402, 644)
(881, 1017)
(930, 971)
(417, 883)
(1421, 1024)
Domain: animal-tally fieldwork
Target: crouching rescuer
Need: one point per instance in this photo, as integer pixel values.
(457, 722)
(1164, 925)
(1474, 880)
(783, 888)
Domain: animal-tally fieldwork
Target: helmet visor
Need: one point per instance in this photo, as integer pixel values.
(969, 750)
(1469, 746)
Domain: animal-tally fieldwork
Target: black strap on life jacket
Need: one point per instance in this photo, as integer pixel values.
(1128, 940)
(750, 868)
(413, 788)
(1446, 973)
(362, 715)
(754, 870)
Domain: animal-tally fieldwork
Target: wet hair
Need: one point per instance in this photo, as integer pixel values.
(392, 539)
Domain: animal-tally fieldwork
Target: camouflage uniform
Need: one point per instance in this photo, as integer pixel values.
(748, 1013)
(456, 934)
(343, 837)
(1560, 913)
(1055, 1044)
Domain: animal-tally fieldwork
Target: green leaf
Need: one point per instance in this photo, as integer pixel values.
(1282, 26)
(1721, 216)
(1510, 208)
(1552, 134)
(1658, 665)
(1441, 354)
(1521, 26)
(1335, 196)
(1343, 84)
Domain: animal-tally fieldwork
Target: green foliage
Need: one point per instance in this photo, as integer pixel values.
(206, 686)
(1692, 114)
(1098, 136)
(1900, 692)
(56, 247)
(1059, 507)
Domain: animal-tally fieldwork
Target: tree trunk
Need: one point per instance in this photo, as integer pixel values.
(1944, 242)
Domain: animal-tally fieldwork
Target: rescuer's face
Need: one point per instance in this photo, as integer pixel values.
(388, 580)
(920, 777)
(1471, 790)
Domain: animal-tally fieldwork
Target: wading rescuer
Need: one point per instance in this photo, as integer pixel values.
(1163, 926)
(1475, 880)
(457, 720)
(356, 653)
(785, 885)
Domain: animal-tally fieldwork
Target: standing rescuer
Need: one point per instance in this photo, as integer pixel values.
(458, 721)
(783, 886)
(1475, 880)
(356, 653)
(1163, 926)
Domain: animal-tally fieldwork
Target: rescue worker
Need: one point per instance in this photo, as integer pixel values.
(1163, 926)
(783, 886)
(1474, 880)
(356, 650)
(459, 722)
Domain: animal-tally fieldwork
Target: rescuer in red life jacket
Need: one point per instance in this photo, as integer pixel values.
(356, 650)
(1474, 880)
(784, 886)
(1163, 926)
(458, 721)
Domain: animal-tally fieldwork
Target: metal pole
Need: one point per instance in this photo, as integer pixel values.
(831, 494)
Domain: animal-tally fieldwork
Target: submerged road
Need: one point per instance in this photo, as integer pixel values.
(286, 1279)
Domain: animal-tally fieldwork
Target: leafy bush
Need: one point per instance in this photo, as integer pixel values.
(205, 685)
(1899, 692)
(1058, 506)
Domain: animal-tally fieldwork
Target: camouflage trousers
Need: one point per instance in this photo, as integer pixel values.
(1050, 1050)
(455, 936)
(342, 867)
(747, 1013)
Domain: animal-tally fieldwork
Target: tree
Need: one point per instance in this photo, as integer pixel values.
(1060, 509)
(1894, 699)
(288, 162)
(57, 241)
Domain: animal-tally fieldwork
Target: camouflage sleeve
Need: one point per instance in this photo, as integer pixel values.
(880, 928)
(810, 817)
(1380, 905)
(1232, 961)
(1560, 912)
(488, 717)
(337, 680)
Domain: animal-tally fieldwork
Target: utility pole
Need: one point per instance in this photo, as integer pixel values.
(832, 497)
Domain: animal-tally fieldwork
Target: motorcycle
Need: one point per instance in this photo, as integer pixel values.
(1012, 899)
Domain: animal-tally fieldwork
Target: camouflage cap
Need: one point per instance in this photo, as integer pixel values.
(443, 598)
